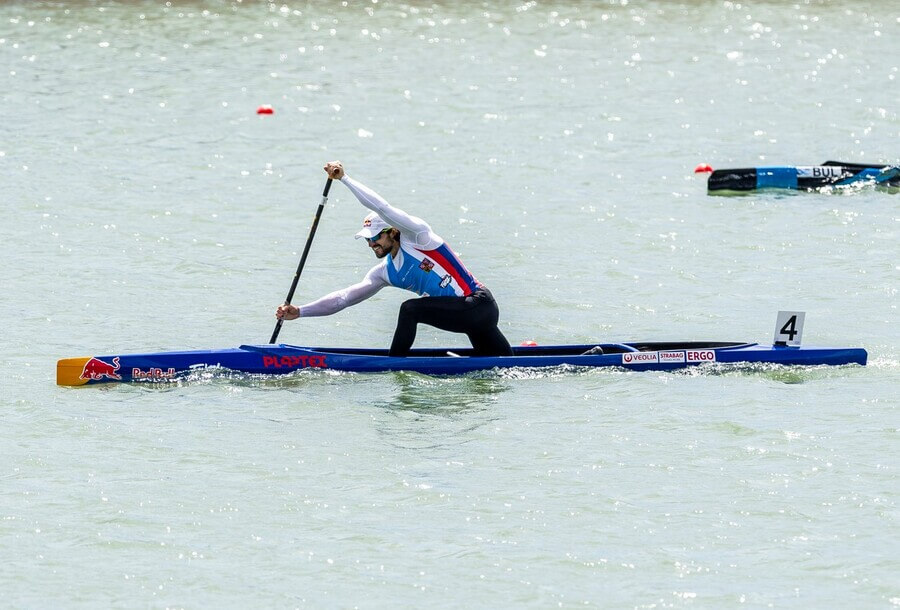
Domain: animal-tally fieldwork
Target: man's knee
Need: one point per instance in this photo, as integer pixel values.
(409, 308)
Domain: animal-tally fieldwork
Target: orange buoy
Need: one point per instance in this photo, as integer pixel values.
(265, 109)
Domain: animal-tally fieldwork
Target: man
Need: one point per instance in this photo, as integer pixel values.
(416, 259)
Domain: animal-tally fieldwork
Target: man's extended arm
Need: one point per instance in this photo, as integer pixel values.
(395, 217)
(415, 228)
(337, 300)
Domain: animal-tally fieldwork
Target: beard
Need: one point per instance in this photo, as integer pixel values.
(381, 251)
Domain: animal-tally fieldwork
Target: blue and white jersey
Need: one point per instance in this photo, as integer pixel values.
(424, 263)
(435, 272)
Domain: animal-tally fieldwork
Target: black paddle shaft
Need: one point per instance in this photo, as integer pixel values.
(312, 232)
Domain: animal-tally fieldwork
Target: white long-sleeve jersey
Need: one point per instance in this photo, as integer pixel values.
(424, 264)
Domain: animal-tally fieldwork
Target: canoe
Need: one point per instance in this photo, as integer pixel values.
(281, 359)
(829, 174)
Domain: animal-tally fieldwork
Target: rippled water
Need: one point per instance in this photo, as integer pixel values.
(148, 207)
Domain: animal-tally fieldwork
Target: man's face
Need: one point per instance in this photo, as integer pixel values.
(381, 244)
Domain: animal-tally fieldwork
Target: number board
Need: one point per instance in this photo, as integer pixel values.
(789, 327)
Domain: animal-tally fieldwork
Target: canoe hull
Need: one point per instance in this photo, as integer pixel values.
(282, 359)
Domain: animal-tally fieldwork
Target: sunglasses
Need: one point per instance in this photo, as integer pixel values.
(375, 238)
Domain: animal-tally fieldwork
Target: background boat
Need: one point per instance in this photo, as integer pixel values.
(830, 174)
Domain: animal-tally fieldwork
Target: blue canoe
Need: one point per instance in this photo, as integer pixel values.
(829, 174)
(281, 359)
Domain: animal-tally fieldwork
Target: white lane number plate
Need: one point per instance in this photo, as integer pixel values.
(789, 327)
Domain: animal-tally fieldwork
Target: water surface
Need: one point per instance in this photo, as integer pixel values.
(148, 207)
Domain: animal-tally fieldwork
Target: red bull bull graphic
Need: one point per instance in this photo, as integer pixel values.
(95, 370)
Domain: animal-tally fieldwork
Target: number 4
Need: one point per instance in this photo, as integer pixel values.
(789, 327)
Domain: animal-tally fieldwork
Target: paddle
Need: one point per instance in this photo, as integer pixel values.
(312, 232)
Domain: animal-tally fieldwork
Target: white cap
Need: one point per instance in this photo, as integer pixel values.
(373, 224)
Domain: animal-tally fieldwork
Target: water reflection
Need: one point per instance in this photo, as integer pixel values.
(425, 412)
(446, 396)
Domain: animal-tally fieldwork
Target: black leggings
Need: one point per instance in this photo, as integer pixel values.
(475, 315)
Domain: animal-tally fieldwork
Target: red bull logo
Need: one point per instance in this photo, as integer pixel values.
(95, 369)
(153, 373)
